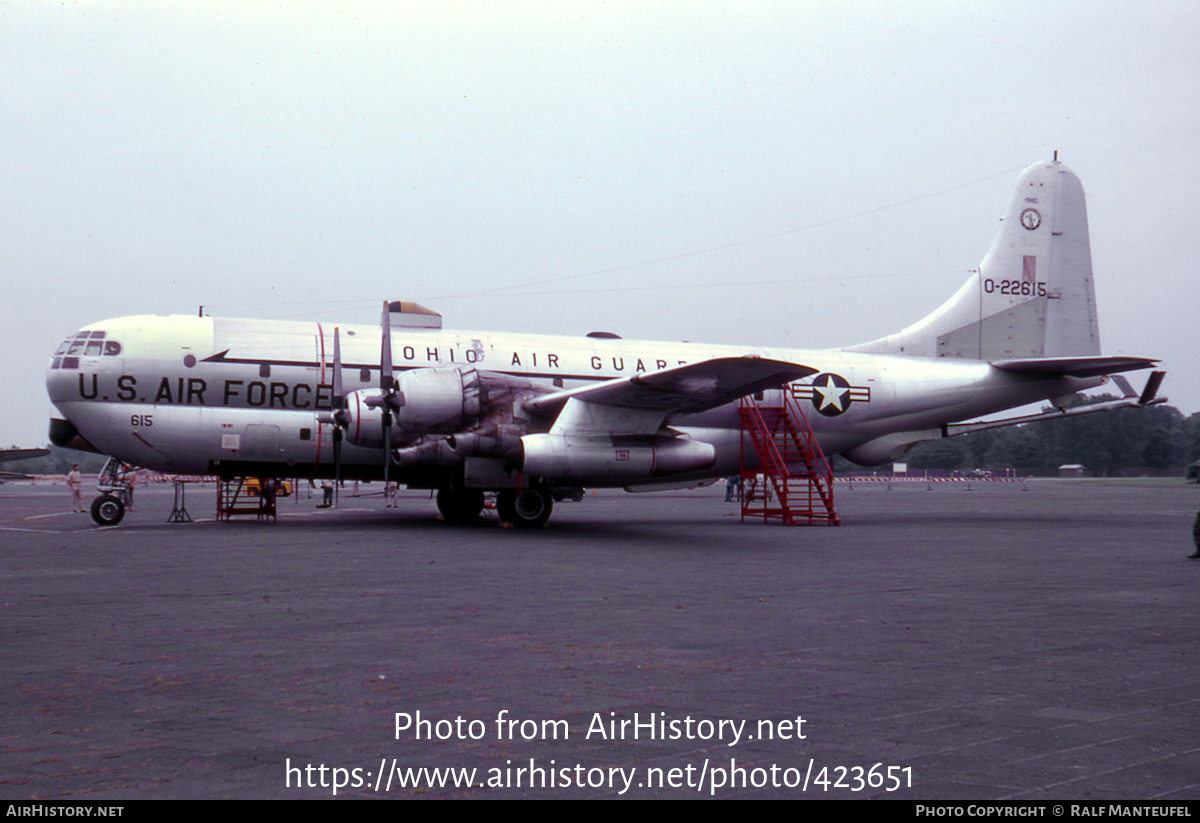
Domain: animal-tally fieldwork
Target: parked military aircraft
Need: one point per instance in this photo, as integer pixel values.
(539, 418)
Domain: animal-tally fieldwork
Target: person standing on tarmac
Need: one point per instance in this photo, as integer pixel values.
(75, 483)
(132, 480)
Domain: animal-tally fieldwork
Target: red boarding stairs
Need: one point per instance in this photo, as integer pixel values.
(233, 499)
(793, 481)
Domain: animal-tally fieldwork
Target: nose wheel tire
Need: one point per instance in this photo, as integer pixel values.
(107, 510)
(528, 509)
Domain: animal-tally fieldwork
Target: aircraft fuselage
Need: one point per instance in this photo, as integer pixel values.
(200, 395)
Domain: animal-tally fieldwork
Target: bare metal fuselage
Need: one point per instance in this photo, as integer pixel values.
(199, 395)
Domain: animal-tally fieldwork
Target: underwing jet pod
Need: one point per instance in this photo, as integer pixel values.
(539, 418)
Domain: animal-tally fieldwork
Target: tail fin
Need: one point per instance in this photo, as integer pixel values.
(1033, 294)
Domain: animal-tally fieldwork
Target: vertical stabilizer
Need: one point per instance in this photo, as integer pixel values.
(1033, 294)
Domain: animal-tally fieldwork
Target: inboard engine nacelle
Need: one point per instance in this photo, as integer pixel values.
(432, 401)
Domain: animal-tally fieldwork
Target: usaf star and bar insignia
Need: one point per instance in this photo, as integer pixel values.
(831, 394)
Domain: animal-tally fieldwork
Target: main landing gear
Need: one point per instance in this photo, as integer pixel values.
(107, 510)
(527, 508)
(459, 505)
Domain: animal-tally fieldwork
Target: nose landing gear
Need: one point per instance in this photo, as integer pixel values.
(107, 510)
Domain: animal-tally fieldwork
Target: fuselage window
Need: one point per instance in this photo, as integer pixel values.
(364, 375)
(264, 370)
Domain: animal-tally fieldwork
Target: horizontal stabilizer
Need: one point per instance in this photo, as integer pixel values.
(1075, 366)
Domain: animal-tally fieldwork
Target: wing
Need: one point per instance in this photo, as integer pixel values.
(640, 404)
(21, 454)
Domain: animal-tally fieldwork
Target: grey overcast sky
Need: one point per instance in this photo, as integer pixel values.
(809, 174)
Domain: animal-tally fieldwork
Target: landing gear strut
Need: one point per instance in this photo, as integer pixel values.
(528, 508)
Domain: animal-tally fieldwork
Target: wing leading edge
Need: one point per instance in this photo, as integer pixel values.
(640, 404)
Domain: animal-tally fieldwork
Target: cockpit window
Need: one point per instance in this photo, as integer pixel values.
(86, 343)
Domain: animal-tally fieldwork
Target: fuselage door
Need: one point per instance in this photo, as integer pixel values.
(260, 441)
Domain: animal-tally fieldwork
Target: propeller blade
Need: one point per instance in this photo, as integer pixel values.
(339, 395)
(339, 413)
(387, 384)
(337, 463)
(387, 446)
(386, 380)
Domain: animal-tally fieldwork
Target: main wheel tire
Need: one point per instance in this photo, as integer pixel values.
(107, 510)
(529, 509)
(460, 505)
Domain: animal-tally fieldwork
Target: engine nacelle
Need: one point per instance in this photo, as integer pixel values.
(433, 401)
(563, 457)
(498, 440)
(431, 451)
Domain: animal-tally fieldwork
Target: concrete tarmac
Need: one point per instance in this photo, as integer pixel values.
(940, 644)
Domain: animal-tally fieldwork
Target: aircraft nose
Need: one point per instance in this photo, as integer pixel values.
(64, 435)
